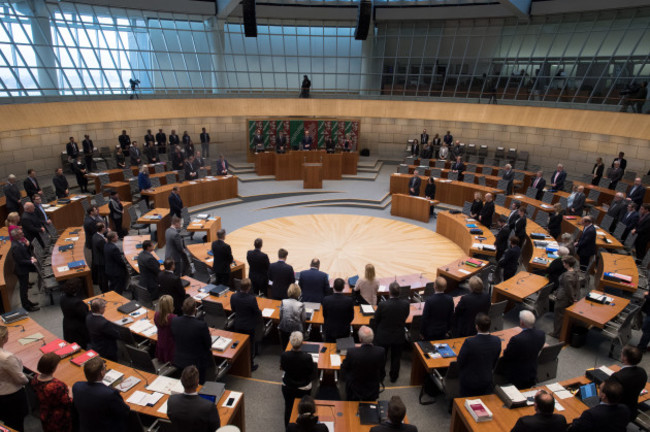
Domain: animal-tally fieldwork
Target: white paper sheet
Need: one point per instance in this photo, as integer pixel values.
(335, 360)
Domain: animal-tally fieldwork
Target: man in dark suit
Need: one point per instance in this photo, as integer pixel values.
(170, 284)
(502, 237)
(80, 170)
(191, 169)
(173, 138)
(125, 142)
(394, 423)
(175, 246)
(390, 320)
(520, 356)
(23, 265)
(558, 178)
(477, 358)
(314, 283)
(456, 150)
(637, 193)
(617, 209)
(487, 212)
(175, 203)
(161, 141)
(615, 175)
(103, 333)
(338, 313)
(414, 185)
(630, 219)
(192, 340)
(621, 161)
(608, 416)
(438, 313)
(99, 262)
(88, 148)
(222, 166)
(364, 368)
(424, 137)
(576, 201)
(90, 225)
(632, 377)
(31, 184)
(539, 183)
(415, 148)
(32, 225)
(468, 307)
(509, 262)
(222, 258)
(149, 138)
(205, 143)
(189, 411)
(177, 158)
(519, 227)
(280, 143)
(135, 155)
(586, 245)
(72, 149)
(509, 176)
(151, 152)
(247, 314)
(40, 211)
(258, 268)
(543, 420)
(60, 183)
(114, 265)
(149, 269)
(257, 142)
(99, 408)
(448, 139)
(12, 194)
(458, 167)
(307, 141)
(643, 232)
(281, 275)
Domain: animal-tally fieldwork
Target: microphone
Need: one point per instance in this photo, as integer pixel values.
(141, 376)
(33, 339)
(22, 327)
(523, 278)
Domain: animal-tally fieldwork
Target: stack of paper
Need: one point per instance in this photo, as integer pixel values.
(166, 385)
(559, 391)
(335, 360)
(144, 326)
(267, 312)
(144, 399)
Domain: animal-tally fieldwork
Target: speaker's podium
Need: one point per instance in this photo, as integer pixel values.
(312, 175)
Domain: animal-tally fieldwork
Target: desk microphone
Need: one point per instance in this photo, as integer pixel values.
(523, 278)
(22, 327)
(142, 376)
(42, 339)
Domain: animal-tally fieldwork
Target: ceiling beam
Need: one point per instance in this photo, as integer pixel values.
(520, 8)
(226, 7)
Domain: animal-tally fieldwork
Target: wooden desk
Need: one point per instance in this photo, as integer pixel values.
(591, 314)
(558, 194)
(126, 217)
(288, 166)
(458, 271)
(604, 240)
(114, 174)
(123, 189)
(606, 195)
(264, 163)
(60, 259)
(411, 207)
(131, 248)
(454, 227)
(239, 358)
(67, 215)
(518, 287)
(200, 252)
(342, 414)
(539, 205)
(7, 277)
(350, 161)
(422, 364)
(312, 176)
(615, 263)
(417, 282)
(161, 219)
(447, 191)
(69, 373)
(195, 192)
(211, 226)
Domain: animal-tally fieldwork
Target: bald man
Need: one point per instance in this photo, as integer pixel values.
(33, 226)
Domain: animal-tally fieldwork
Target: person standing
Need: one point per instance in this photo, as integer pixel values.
(175, 203)
(103, 333)
(292, 315)
(162, 318)
(171, 285)
(72, 149)
(610, 415)
(314, 283)
(368, 286)
(60, 183)
(304, 87)
(390, 320)
(298, 368)
(161, 141)
(558, 178)
(338, 313)
(205, 143)
(509, 262)
(13, 397)
(597, 171)
(509, 176)
(89, 149)
(175, 249)
(438, 313)
(520, 356)
(458, 167)
(23, 265)
(191, 168)
(477, 358)
(116, 213)
(189, 411)
(615, 175)
(54, 403)
(586, 245)
(125, 142)
(31, 184)
(543, 420)
(135, 155)
(424, 137)
(469, 306)
(149, 269)
(622, 162)
(364, 368)
(414, 185)
(173, 139)
(12, 195)
(192, 342)
(222, 259)
(642, 231)
(247, 315)
(258, 268)
(632, 377)
(566, 294)
(487, 212)
(80, 170)
(115, 267)
(75, 311)
(222, 166)
(281, 275)
(539, 183)
(98, 244)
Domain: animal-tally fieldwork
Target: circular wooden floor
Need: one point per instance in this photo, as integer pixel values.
(346, 243)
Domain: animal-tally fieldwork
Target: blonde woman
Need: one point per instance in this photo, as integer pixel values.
(477, 205)
(13, 398)
(13, 222)
(292, 314)
(368, 286)
(163, 320)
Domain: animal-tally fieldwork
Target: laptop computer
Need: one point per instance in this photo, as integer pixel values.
(344, 344)
(588, 394)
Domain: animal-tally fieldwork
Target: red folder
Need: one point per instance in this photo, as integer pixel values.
(55, 345)
(68, 350)
(83, 358)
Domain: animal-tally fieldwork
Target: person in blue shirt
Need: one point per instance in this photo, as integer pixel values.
(144, 183)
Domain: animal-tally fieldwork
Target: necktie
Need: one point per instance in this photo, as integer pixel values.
(536, 181)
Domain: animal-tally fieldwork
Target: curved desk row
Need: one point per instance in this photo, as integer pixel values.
(7, 277)
(490, 180)
(288, 166)
(447, 191)
(454, 227)
(70, 374)
(76, 237)
(195, 192)
(412, 207)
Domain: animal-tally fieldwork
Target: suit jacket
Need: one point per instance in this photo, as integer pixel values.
(456, 151)
(501, 241)
(415, 183)
(541, 184)
(509, 176)
(636, 195)
(476, 360)
(307, 143)
(541, 423)
(281, 275)
(602, 418)
(205, 137)
(192, 413)
(424, 138)
(75, 311)
(88, 147)
(578, 203)
(364, 370)
(298, 368)
(520, 229)
(247, 311)
(149, 269)
(510, 261)
(558, 179)
(521, 357)
(466, 310)
(617, 210)
(175, 204)
(114, 264)
(280, 142)
(103, 336)
(587, 242)
(614, 176)
(170, 284)
(12, 195)
(192, 342)
(623, 163)
(555, 223)
(436, 316)
(314, 285)
(125, 141)
(90, 226)
(72, 149)
(389, 427)
(178, 161)
(338, 313)
(31, 189)
(135, 155)
(460, 167)
(630, 219)
(258, 269)
(643, 231)
(60, 185)
(222, 167)
(222, 256)
(173, 139)
(22, 259)
(99, 241)
(174, 242)
(633, 380)
(100, 408)
(487, 212)
(415, 149)
(152, 153)
(390, 320)
(191, 172)
(161, 138)
(598, 170)
(448, 139)
(31, 225)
